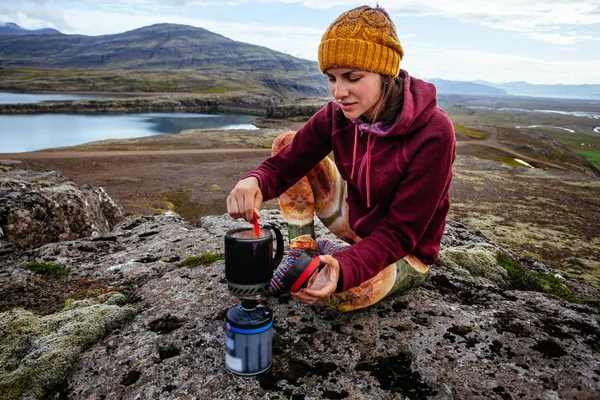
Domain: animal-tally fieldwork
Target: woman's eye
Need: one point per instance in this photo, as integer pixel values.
(354, 78)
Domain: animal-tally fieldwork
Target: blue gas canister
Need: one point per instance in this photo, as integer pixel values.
(248, 338)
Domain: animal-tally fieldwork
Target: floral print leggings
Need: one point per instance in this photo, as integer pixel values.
(323, 192)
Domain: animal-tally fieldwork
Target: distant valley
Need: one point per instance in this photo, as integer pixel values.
(181, 58)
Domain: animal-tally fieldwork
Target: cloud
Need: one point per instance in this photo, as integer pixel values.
(32, 14)
(531, 18)
(499, 68)
(567, 39)
(514, 15)
(528, 18)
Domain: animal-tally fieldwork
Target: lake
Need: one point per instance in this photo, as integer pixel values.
(30, 132)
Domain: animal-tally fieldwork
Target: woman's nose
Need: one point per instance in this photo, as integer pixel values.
(340, 89)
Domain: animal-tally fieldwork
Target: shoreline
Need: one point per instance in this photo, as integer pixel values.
(262, 104)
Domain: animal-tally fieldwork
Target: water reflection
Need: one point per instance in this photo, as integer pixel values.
(170, 123)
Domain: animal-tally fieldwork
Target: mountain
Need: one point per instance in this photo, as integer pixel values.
(10, 28)
(168, 47)
(183, 58)
(458, 87)
(557, 90)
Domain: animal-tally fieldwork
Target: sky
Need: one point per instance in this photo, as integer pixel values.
(540, 42)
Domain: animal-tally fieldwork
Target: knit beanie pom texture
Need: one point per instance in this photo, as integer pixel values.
(363, 38)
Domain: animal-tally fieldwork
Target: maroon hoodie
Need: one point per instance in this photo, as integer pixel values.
(398, 178)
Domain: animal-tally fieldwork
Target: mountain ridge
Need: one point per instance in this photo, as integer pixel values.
(10, 28)
(167, 46)
(559, 90)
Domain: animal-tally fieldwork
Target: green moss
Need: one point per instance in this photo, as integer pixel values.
(470, 133)
(476, 261)
(24, 385)
(592, 156)
(182, 203)
(512, 162)
(96, 291)
(203, 259)
(523, 279)
(37, 353)
(49, 269)
(592, 301)
(5, 169)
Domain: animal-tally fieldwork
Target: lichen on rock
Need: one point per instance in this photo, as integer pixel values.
(477, 261)
(37, 353)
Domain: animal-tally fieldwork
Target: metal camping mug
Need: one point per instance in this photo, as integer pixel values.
(249, 260)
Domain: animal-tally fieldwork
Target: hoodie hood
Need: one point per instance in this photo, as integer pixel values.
(420, 102)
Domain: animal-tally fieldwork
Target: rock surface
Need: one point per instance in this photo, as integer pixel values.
(466, 333)
(38, 207)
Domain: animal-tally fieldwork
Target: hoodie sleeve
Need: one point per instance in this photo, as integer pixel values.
(310, 145)
(419, 208)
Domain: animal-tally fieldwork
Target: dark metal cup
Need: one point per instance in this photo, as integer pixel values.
(249, 260)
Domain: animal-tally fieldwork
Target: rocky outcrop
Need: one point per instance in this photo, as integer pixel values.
(466, 333)
(257, 102)
(300, 108)
(261, 103)
(38, 207)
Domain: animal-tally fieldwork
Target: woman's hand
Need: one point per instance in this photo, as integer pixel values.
(324, 284)
(244, 199)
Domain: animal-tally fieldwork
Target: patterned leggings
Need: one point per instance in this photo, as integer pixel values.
(323, 192)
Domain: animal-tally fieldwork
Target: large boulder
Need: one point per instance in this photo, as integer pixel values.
(471, 331)
(38, 207)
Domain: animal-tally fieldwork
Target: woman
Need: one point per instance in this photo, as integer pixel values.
(387, 194)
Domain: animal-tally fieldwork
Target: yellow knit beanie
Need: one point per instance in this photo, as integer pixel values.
(363, 38)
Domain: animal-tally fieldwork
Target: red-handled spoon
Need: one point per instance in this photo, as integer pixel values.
(256, 228)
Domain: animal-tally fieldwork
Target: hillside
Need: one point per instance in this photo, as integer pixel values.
(164, 49)
(10, 28)
(457, 87)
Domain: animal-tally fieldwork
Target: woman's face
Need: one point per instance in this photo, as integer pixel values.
(355, 90)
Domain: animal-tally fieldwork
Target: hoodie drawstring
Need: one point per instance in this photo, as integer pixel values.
(368, 171)
(354, 152)
(368, 155)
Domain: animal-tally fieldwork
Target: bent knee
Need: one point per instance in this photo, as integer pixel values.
(281, 141)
